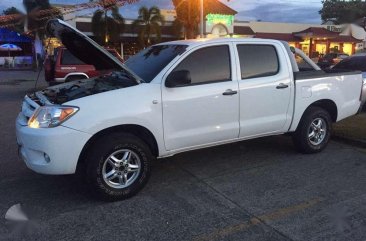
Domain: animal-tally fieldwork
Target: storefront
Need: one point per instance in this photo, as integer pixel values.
(20, 52)
(319, 41)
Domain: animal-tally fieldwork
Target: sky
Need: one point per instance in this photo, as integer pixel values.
(290, 11)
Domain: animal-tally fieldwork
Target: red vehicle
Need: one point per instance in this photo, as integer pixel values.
(63, 66)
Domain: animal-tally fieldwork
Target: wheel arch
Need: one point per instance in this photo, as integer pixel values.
(137, 130)
(76, 74)
(328, 105)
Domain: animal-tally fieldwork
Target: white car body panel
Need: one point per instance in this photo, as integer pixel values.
(273, 107)
(200, 114)
(341, 90)
(192, 117)
(129, 106)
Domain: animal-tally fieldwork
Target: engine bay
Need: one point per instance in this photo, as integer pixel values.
(80, 88)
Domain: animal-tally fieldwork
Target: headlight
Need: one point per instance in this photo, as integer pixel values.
(51, 116)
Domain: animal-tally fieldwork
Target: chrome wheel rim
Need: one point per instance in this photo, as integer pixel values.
(121, 168)
(317, 131)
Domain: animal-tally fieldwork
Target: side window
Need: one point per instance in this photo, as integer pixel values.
(210, 64)
(68, 58)
(257, 60)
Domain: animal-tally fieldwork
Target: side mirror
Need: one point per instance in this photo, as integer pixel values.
(178, 79)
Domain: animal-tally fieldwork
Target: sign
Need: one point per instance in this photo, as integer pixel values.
(213, 19)
(335, 29)
(169, 15)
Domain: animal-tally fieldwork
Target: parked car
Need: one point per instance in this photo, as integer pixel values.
(331, 59)
(64, 66)
(353, 63)
(175, 97)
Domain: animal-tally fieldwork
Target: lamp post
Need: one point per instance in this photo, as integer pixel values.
(201, 17)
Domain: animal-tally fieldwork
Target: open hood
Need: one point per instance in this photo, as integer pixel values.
(84, 47)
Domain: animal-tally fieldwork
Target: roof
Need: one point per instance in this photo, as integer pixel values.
(346, 38)
(204, 41)
(316, 32)
(217, 7)
(243, 30)
(288, 37)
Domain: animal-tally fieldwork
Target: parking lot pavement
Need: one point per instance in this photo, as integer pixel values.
(253, 190)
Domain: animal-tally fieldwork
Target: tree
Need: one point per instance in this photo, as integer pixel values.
(38, 13)
(343, 11)
(188, 16)
(17, 25)
(178, 28)
(108, 27)
(11, 10)
(149, 24)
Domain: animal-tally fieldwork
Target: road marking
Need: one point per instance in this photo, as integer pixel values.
(219, 233)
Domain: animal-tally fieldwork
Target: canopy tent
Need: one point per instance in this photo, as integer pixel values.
(8, 38)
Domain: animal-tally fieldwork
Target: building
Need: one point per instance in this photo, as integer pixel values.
(23, 56)
(220, 21)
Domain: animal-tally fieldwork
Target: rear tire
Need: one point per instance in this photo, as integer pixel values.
(314, 131)
(112, 173)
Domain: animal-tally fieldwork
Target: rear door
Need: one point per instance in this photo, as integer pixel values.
(207, 110)
(265, 87)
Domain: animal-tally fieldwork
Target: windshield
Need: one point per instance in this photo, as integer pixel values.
(148, 63)
(353, 63)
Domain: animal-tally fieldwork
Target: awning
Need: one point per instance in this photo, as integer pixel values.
(345, 39)
(288, 37)
(217, 7)
(243, 30)
(316, 32)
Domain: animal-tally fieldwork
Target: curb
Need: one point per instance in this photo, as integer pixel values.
(350, 141)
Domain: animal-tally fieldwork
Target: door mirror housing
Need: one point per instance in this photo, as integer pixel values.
(178, 78)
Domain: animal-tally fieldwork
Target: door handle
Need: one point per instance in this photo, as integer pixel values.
(282, 86)
(230, 92)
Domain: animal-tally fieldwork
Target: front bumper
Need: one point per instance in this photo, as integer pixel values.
(52, 151)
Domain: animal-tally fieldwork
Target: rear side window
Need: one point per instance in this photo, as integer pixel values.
(68, 58)
(206, 65)
(257, 60)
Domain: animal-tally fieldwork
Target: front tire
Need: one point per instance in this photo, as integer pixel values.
(118, 166)
(314, 131)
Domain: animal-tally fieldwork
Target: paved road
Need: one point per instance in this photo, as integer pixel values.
(253, 190)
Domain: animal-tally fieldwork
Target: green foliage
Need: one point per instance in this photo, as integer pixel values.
(107, 27)
(178, 28)
(38, 13)
(341, 11)
(18, 26)
(148, 25)
(11, 10)
(188, 15)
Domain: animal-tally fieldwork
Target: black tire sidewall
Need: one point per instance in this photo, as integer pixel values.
(104, 148)
(301, 138)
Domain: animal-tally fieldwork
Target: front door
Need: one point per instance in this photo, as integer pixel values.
(207, 110)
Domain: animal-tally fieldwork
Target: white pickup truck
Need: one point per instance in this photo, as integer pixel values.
(175, 97)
